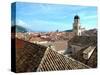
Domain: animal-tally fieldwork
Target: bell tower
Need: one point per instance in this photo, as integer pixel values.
(76, 26)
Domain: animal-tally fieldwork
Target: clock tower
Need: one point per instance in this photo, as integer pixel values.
(76, 26)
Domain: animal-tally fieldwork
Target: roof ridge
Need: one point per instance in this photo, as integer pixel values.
(46, 52)
(45, 56)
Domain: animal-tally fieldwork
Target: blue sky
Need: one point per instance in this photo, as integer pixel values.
(50, 17)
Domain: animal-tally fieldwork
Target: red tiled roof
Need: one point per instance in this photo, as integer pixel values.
(54, 61)
(20, 43)
(33, 57)
(29, 57)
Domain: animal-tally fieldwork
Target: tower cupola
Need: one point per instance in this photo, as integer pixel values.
(76, 17)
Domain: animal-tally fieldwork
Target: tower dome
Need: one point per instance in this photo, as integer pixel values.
(76, 17)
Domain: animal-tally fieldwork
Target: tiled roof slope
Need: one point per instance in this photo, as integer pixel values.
(28, 56)
(92, 32)
(83, 40)
(53, 61)
(32, 57)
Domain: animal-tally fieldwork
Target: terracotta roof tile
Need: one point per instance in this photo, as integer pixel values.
(33, 57)
(54, 61)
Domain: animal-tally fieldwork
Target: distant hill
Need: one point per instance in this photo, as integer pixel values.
(18, 28)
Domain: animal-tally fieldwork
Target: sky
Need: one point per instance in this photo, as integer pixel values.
(52, 17)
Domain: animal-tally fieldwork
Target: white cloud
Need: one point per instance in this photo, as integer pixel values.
(20, 22)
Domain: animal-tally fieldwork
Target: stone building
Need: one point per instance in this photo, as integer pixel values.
(77, 26)
(83, 49)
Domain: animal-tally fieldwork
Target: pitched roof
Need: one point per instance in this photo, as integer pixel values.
(83, 40)
(54, 61)
(29, 57)
(33, 57)
(91, 32)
